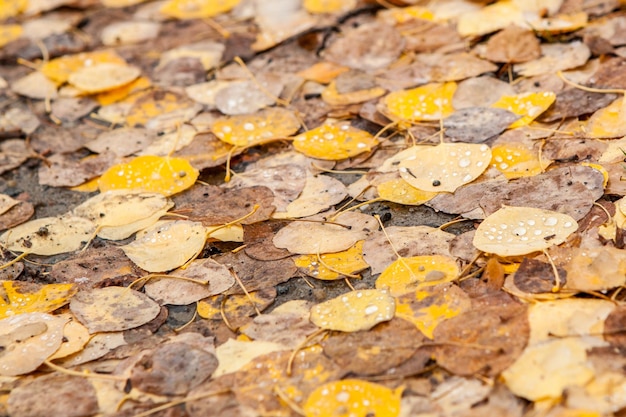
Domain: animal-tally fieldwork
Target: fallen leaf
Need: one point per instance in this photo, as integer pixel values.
(417, 272)
(23, 297)
(513, 231)
(28, 340)
(513, 45)
(354, 311)
(334, 142)
(353, 397)
(152, 247)
(527, 105)
(252, 129)
(112, 309)
(341, 264)
(427, 102)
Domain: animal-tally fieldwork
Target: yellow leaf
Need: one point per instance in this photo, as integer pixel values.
(560, 23)
(345, 262)
(59, 69)
(517, 160)
(150, 173)
(334, 142)
(445, 167)
(409, 274)
(331, 96)
(197, 9)
(112, 96)
(353, 397)
(401, 192)
(322, 72)
(427, 102)
(87, 187)
(527, 105)
(19, 297)
(426, 309)
(103, 77)
(328, 6)
(250, 129)
(490, 18)
(150, 104)
(513, 231)
(354, 311)
(405, 14)
(9, 33)
(608, 122)
(11, 8)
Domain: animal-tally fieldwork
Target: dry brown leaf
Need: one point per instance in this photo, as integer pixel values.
(513, 45)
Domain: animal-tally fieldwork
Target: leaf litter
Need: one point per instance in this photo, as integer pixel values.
(322, 207)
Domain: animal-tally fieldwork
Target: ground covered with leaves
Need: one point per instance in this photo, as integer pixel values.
(312, 207)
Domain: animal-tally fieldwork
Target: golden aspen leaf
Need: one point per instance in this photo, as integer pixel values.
(401, 192)
(513, 231)
(103, 77)
(608, 122)
(252, 129)
(151, 174)
(426, 309)
(406, 14)
(49, 235)
(346, 262)
(197, 9)
(147, 106)
(9, 33)
(90, 186)
(237, 308)
(152, 248)
(353, 397)
(322, 72)
(11, 8)
(20, 297)
(328, 6)
(331, 96)
(354, 311)
(410, 274)
(427, 102)
(117, 94)
(445, 167)
(59, 69)
(112, 309)
(334, 141)
(517, 160)
(527, 105)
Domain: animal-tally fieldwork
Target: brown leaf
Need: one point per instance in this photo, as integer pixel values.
(16, 215)
(536, 277)
(574, 102)
(477, 124)
(212, 205)
(258, 238)
(369, 47)
(54, 394)
(513, 45)
(485, 340)
(65, 171)
(373, 352)
(257, 275)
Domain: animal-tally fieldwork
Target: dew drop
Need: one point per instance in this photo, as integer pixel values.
(519, 231)
(550, 221)
(464, 162)
(371, 309)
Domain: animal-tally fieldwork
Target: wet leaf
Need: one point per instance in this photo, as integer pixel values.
(528, 105)
(354, 311)
(28, 340)
(417, 272)
(195, 9)
(445, 167)
(238, 309)
(513, 231)
(334, 142)
(151, 174)
(252, 129)
(21, 297)
(341, 263)
(152, 248)
(353, 397)
(428, 102)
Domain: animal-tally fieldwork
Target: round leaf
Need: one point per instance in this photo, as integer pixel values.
(334, 142)
(513, 231)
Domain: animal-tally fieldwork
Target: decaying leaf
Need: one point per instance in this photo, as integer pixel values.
(113, 309)
(49, 235)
